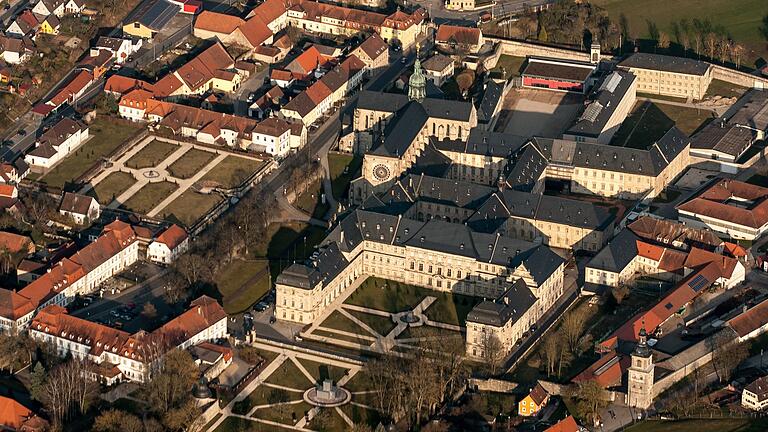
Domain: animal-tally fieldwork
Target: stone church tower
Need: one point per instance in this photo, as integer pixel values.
(640, 375)
(417, 84)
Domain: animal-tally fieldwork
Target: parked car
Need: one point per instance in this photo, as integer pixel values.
(261, 306)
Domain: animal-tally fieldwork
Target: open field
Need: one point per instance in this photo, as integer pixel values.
(190, 206)
(106, 136)
(241, 284)
(151, 154)
(741, 22)
(649, 121)
(511, 65)
(190, 163)
(111, 187)
(379, 324)
(149, 196)
(232, 171)
(724, 89)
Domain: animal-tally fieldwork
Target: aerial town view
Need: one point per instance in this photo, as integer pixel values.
(383, 215)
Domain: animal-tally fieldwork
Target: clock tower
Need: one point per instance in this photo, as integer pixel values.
(640, 374)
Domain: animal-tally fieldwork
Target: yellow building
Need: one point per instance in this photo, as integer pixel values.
(149, 17)
(50, 25)
(532, 403)
(669, 76)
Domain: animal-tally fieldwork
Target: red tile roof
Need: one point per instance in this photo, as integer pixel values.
(172, 237)
(12, 413)
(647, 250)
(457, 34)
(15, 243)
(218, 22)
(718, 202)
(8, 191)
(751, 320)
(698, 257)
(255, 31)
(281, 75)
(13, 305)
(606, 371)
(567, 424)
(78, 83)
(318, 92)
(122, 84)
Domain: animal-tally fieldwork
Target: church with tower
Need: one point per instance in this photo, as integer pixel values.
(393, 130)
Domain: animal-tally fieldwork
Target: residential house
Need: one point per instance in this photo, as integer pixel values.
(16, 244)
(11, 173)
(97, 64)
(309, 61)
(272, 136)
(439, 68)
(567, 424)
(171, 243)
(211, 70)
(118, 85)
(271, 100)
(50, 25)
(16, 50)
(374, 53)
(149, 17)
(81, 208)
(125, 356)
(460, 39)
(56, 143)
(533, 402)
(233, 30)
(15, 417)
(133, 104)
(268, 54)
(755, 395)
(50, 7)
(8, 192)
(74, 7)
(121, 48)
(281, 78)
(24, 25)
(70, 93)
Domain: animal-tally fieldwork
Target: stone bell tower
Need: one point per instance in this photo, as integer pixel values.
(640, 374)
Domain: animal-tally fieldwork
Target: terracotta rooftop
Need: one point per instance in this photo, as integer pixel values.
(123, 84)
(457, 34)
(172, 237)
(16, 243)
(567, 424)
(733, 201)
(13, 305)
(218, 22)
(12, 413)
(754, 318)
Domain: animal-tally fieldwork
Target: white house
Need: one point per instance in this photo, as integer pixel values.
(15, 51)
(120, 48)
(48, 7)
(81, 208)
(755, 395)
(173, 242)
(57, 142)
(74, 7)
(273, 135)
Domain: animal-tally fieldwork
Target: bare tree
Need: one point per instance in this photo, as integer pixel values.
(117, 421)
(551, 352)
(727, 354)
(573, 328)
(493, 352)
(710, 41)
(737, 52)
(16, 350)
(68, 390)
(619, 293)
(724, 49)
(591, 398)
(663, 41)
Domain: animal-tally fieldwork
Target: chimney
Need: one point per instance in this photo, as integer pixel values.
(341, 240)
(199, 310)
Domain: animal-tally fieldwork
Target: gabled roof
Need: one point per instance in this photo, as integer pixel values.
(217, 22)
(153, 14)
(733, 201)
(374, 46)
(172, 237)
(751, 320)
(123, 84)
(759, 387)
(14, 305)
(12, 413)
(456, 34)
(567, 424)
(255, 31)
(15, 243)
(76, 203)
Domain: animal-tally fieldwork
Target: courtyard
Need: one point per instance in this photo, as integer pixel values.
(649, 121)
(177, 181)
(542, 113)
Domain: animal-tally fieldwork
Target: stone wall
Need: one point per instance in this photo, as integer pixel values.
(493, 385)
(523, 49)
(738, 78)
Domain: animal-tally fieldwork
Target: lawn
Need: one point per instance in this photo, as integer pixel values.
(289, 375)
(724, 89)
(239, 424)
(741, 23)
(339, 321)
(322, 371)
(388, 296)
(362, 415)
(263, 395)
(106, 136)
(311, 201)
(190, 163)
(289, 412)
(649, 121)
(149, 196)
(328, 420)
(241, 284)
(151, 154)
(426, 331)
(451, 308)
(380, 324)
(512, 66)
(112, 186)
(190, 206)
(232, 171)
(703, 425)
(343, 168)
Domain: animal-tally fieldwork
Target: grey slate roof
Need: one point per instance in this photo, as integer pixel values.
(402, 130)
(510, 306)
(617, 253)
(483, 142)
(726, 138)
(431, 162)
(329, 263)
(753, 110)
(437, 63)
(665, 63)
(154, 14)
(526, 169)
(567, 70)
(605, 99)
(605, 157)
(489, 101)
(435, 108)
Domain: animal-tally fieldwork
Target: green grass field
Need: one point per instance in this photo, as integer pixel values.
(190, 163)
(106, 137)
(149, 196)
(741, 20)
(512, 66)
(151, 154)
(289, 375)
(232, 171)
(380, 324)
(190, 206)
(310, 202)
(323, 371)
(241, 284)
(111, 187)
(340, 180)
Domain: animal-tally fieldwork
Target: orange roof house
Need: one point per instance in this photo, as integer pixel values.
(172, 237)
(457, 35)
(15, 243)
(217, 22)
(567, 424)
(12, 413)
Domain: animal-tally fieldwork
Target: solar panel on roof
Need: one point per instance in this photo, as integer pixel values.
(698, 283)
